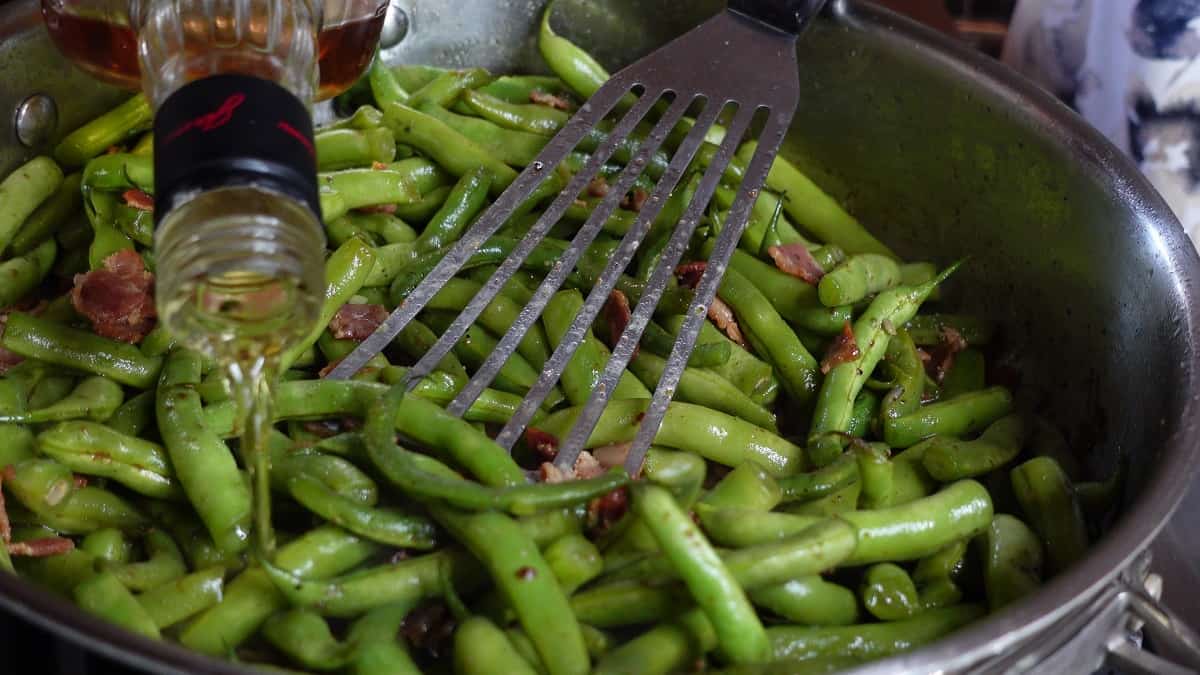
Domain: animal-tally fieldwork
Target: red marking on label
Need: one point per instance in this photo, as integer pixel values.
(213, 120)
(291, 131)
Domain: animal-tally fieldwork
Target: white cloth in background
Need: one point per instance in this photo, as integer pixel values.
(1132, 68)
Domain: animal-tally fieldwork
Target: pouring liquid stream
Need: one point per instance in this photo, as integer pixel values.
(251, 379)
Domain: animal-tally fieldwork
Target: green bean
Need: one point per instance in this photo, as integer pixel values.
(126, 120)
(1012, 561)
(180, 599)
(407, 582)
(116, 173)
(192, 536)
(843, 500)
(948, 459)
(550, 526)
(859, 276)
(965, 414)
(47, 341)
(385, 86)
(666, 648)
(835, 402)
(448, 86)
(202, 462)
(658, 341)
(1048, 441)
(528, 117)
(625, 603)
(379, 651)
(20, 275)
(573, 65)
(424, 208)
(95, 398)
(921, 527)
(384, 525)
(705, 388)
(465, 200)
(60, 574)
(480, 647)
(875, 474)
(49, 391)
(927, 329)
(910, 480)
(345, 272)
(305, 638)
(345, 148)
(525, 579)
(388, 228)
(738, 630)
(514, 148)
(870, 641)
(809, 600)
(104, 596)
(251, 597)
(937, 576)
(1049, 503)
(364, 117)
(369, 187)
(796, 366)
(680, 472)
(740, 527)
(96, 450)
(515, 376)
(164, 564)
(888, 593)
(447, 147)
(48, 217)
(497, 317)
(108, 546)
(813, 209)
(574, 561)
(586, 366)
(866, 405)
(417, 338)
(519, 88)
(748, 486)
(903, 364)
(48, 489)
(390, 260)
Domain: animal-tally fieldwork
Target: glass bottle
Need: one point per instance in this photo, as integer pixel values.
(239, 245)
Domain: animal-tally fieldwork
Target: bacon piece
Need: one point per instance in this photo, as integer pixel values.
(357, 322)
(79, 480)
(5, 524)
(389, 209)
(613, 455)
(545, 444)
(843, 349)
(941, 358)
(41, 548)
(608, 509)
(548, 473)
(797, 260)
(689, 273)
(550, 100)
(138, 200)
(722, 315)
(378, 166)
(7, 359)
(598, 187)
(617, 313)
(586, 466)
(634, 201)
(118, 298)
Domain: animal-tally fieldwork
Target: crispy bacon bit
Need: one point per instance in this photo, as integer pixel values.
(548, 473)
(796, 260)
(617, 313)
(378, 166)
(941, 359)
(634, 201)
(389, 209)
(527, 573)
(80, 481)
(548, 99)
(328, 368)
(118, 298)
(544, 444)
(689, 273)
(7, 359)
(843, 349)
(722, 315)
(598, 187)
(357, 322)
(587, 467)
(41, 548)
(606, 510)
(613, 455)
(138, 200)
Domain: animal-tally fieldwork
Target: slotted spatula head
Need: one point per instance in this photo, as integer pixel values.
(738, 66)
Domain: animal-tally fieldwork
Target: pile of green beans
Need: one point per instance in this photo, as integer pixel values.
(816, 497)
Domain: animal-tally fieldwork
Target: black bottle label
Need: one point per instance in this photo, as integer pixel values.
(230, 130)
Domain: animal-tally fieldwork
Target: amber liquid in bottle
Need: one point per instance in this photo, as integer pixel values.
(109, 51)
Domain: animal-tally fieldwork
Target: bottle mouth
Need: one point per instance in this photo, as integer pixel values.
(240, 264)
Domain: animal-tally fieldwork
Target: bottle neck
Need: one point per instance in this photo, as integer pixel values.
(181, 41)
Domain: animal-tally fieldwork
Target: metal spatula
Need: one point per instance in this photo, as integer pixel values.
(743, 60)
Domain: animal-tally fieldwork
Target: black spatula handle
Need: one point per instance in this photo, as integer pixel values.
(786, 15)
